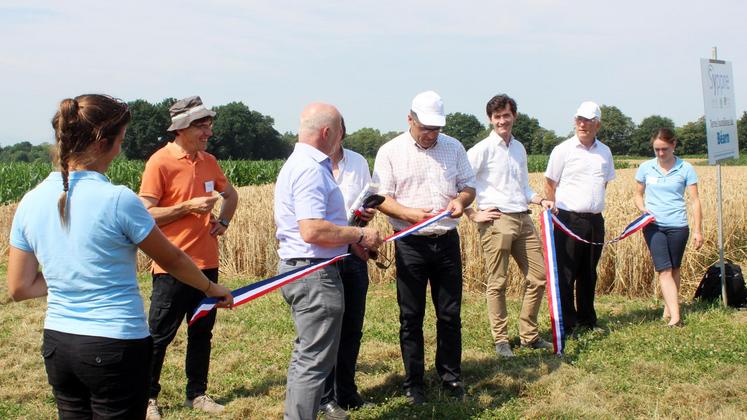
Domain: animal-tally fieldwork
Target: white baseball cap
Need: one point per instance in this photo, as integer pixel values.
(589, 110)
(429, 109)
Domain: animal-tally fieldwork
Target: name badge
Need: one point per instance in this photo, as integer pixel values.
(209, 186)
(651, 179)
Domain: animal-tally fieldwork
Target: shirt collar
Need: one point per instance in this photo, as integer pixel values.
(314, 153)
(178, 153)
(500, 141)
(414, 142)
(578, 142)
(79, 175)
(676, 167)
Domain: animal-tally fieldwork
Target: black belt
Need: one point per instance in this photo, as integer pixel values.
(527, 211)
(584, 215)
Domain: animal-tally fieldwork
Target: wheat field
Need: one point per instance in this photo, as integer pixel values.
(248, 250)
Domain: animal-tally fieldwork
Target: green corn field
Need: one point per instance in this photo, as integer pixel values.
(18, 178)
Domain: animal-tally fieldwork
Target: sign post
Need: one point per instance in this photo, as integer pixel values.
(721, 130)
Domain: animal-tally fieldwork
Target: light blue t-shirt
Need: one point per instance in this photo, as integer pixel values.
(306, 189)
(665, 194)
(90, 270)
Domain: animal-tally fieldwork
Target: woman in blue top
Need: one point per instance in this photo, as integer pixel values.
(84, 232)
(664, 180)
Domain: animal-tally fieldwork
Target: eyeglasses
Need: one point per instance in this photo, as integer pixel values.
(386, 263)
(427, 128)
(580, 119)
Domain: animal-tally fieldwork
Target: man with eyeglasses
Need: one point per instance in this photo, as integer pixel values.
(505, 225)
(576, 180)
(180, 186)
(421, 172)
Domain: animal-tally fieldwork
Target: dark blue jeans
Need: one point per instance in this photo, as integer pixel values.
(421, 260)
(97, 377)
(340, 384)
(172, 303)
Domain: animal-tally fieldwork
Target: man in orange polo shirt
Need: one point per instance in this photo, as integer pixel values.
(180, 187)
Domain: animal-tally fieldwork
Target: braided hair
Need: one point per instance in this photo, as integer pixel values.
(79, 123)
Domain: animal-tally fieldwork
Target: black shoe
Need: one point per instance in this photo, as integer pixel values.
(416, 395)
(352, 402)
(454, 388)
(332, 411)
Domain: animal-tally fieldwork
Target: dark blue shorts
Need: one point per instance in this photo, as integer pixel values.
(666, 244)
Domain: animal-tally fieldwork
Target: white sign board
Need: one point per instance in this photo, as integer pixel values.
(720, 112)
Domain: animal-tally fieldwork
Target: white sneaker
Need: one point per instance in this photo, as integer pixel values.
(204, 403)
(152, 412)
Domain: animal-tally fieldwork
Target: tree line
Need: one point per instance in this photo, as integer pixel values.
(240, 133)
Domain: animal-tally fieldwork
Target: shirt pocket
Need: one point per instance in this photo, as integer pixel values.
(448, 182)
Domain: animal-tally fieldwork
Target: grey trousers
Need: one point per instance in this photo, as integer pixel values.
(317, 304)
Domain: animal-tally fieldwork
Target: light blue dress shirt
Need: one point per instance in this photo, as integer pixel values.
(305, 189)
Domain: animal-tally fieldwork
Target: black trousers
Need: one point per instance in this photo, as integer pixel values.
(340, 384)
(438, 260)
(577, 266)
(97, 377)
(173, 302)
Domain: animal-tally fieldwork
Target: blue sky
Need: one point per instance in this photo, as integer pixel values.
(368, 58)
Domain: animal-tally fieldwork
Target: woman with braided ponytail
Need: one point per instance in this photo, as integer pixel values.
(84, 232)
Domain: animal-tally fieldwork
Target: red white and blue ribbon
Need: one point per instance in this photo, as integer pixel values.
(553, 287)
(262, 287)
(547, 221)
(634, 226)
(418, 226)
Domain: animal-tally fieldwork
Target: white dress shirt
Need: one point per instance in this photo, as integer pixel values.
(501, 175)
(352, 176)
(581, 175)
(423, 178)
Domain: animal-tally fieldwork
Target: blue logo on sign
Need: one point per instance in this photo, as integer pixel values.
(722, 138)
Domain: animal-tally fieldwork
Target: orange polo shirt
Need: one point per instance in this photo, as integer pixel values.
(171, 177)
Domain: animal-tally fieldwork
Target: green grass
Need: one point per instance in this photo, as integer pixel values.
(635, 369)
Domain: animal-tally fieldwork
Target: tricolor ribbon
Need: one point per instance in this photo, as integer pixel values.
(418, 226)
(632, 228)
(247, 293)
(547, 221)
(262, 287)
(553, 286)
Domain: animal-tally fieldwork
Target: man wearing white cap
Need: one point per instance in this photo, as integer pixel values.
(421, 172)
(576, 180)
(180, 186)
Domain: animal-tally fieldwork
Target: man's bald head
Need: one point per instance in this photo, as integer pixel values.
(321, 127)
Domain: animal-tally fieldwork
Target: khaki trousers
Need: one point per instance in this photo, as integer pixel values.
(514, 235)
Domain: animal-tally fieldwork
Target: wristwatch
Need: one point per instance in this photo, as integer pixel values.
(223, 222)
